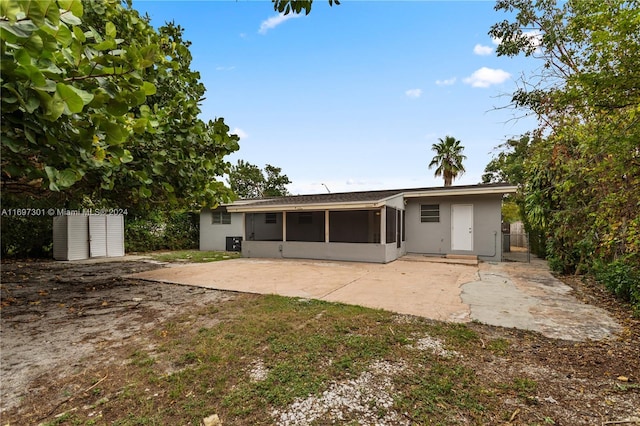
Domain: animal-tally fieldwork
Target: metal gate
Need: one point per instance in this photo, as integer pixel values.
(515, 243)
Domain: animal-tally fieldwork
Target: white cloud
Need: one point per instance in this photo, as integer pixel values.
(241, 133)
(221, 68)
(534, 36)
(535, 39)
(274, 21)
(447, 82)
(485, 77)
(481, 50)
(413, 93)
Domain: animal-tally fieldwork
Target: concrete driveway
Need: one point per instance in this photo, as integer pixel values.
(517, 295)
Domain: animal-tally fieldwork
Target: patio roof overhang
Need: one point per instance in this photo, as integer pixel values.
(257, 207)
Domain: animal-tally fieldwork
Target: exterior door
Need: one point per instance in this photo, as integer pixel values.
(462, 227)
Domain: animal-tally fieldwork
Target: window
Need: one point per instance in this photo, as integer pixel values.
(404, 233)
(399, 229)
(220, 218)
(430, 213)
(391, 225)
(270, 218)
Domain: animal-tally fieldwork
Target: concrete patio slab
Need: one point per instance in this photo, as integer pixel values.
(525, 296)
(428, 290)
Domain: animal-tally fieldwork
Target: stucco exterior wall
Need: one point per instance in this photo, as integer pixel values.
(435, 238)
(396, 202)
(214, 236)
(393, 252)
(355, 252)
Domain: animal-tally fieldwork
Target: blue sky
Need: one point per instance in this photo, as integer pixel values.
(353, 96)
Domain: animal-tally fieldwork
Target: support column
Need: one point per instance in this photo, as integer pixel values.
(244, 226)
(284, 226)
(326, 226)
(383, 225)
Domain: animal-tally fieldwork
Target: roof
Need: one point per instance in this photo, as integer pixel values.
(361, 199)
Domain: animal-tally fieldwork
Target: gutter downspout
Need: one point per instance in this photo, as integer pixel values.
(495, 246)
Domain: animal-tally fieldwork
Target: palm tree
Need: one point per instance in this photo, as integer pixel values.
(448, 159)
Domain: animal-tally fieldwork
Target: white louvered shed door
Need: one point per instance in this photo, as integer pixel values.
(98, 235)
(115, 235)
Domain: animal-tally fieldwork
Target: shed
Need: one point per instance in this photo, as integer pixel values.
(81, 236)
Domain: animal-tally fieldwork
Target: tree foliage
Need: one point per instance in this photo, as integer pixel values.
(296, 6)
(448, 159)
(581, 174)
(508, 164)
(98, 105)
(249, 181)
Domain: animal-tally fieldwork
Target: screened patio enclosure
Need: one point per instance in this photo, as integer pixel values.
(360, 230)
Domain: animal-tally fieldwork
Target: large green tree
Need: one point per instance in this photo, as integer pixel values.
(582, 174)
(508, 164)
(296, 6)
(249, 181)
(448, 159)
(100, 107)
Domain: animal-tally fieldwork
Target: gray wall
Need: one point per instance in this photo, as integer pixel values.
(393, 252)
(435, 238)
(214, 236)
(375, 253)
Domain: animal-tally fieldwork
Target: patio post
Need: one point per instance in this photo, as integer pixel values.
(383, 225)
(284, 226)
(326, 226)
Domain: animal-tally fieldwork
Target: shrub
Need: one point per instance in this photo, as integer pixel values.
(30, 236)
(622, 278)
(162, 231)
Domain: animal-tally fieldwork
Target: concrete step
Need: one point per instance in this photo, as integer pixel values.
(454, 259)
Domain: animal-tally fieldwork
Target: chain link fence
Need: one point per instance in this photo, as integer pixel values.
(515, 243)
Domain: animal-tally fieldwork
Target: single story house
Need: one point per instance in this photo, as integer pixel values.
(368, 226)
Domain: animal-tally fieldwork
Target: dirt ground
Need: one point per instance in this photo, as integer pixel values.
(58, 318)
(57, 315)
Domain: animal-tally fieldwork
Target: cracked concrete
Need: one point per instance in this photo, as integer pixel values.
(529, 297)
(520, 295)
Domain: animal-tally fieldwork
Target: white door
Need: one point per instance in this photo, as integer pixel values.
(462, 227)
(115, 235)
(97, 236)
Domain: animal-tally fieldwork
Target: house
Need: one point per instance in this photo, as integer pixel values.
(369, 226)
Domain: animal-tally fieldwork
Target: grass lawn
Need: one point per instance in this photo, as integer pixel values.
(278, 360)
(195, 256)
(272, 360)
